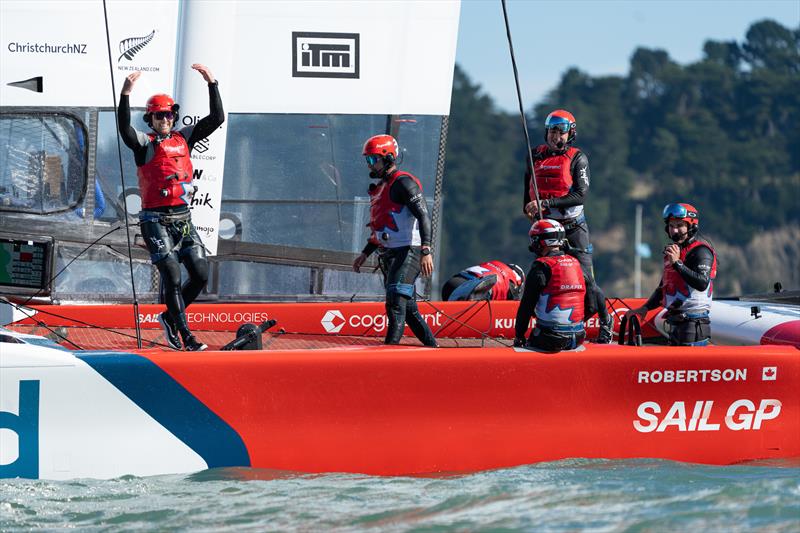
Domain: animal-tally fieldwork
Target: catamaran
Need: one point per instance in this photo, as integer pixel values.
(88, 386)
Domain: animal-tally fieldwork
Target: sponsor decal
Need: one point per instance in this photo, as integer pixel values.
(692, 376)
(202, 200)
(130, 46)
(510, 323)
(19, 434)
(741, 415)
(224, 317)
(46, 48)
(333, 321)
(769, 373)
(325, 55)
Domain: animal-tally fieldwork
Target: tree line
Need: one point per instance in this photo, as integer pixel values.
(722, 134)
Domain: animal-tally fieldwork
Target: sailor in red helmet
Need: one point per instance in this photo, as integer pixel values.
(401, 230)
(690, 266)
(493, 280)
(562, 179)
(164, 168)
(554, 292)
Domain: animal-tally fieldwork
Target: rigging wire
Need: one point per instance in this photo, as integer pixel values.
(49, 283)
(122, 179)
(522, 113)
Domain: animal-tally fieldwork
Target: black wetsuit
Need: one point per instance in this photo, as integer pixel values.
(541, 338)
(168, 231)
(401, 267)
(577, 231)
(696, 272)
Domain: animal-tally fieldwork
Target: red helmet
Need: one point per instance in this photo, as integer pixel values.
(382, 145)
(685, 212)
(160, 102)
(157, 103)
(519, 272)
(562, 120)
(546, 232)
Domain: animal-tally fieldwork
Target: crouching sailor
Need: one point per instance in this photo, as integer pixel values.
(401, 231)
(554, 292)
(493, 280)
(690, 266)
(165, 181)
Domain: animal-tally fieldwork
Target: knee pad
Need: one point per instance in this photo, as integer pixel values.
(401, 289)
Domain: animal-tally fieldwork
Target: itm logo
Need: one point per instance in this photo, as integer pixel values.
(333, 321)
(325, 55)
(19, 434)
(130, 46)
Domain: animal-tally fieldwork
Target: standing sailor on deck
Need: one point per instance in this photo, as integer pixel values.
(401, 230)
(165, 173)
(690, 266)
(562, 179)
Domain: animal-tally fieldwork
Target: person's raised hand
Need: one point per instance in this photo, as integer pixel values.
(130, 81)
(205, 71)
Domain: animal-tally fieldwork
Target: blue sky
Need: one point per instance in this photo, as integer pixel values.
(597, 36)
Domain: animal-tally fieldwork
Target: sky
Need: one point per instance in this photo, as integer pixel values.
(596, 36)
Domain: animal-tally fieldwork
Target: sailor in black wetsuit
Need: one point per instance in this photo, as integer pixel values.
(401, 230)
(562, 180)
(555, 292)
(165, 173)
(690, 266)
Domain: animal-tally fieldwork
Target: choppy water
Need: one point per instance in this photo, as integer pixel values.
(596, 495)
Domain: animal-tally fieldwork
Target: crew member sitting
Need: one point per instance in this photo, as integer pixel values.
(493, 280)
(554, 292)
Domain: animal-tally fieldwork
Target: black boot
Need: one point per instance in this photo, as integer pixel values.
(606, 334)
(191, 344)
(170, 331)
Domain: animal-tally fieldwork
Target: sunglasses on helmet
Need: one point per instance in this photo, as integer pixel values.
(557, 123)
(677, 211)
(372, 159)
(161, 115)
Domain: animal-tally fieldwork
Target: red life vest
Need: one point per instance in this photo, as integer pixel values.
(561, 301)
(505, 277)
(678, 295)
(392, 224)
(166, 179)
(554, 180)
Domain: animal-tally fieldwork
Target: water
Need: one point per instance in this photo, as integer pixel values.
(594, 495)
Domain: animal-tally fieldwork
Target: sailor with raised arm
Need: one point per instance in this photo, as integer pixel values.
(401, 229)
(164, 168)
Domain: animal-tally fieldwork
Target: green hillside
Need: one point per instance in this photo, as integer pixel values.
(722, 134)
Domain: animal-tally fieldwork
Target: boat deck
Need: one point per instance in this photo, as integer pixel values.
(93, 338)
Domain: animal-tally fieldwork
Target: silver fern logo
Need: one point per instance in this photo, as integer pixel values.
(132, 45)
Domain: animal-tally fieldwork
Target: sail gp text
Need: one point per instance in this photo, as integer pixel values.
(702, 415)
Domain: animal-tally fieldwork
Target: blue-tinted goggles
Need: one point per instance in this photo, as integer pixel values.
(674, 211)
(557, 123)
(372, 159)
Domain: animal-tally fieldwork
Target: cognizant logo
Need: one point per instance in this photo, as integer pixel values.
(19, 434)
(333, 321)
